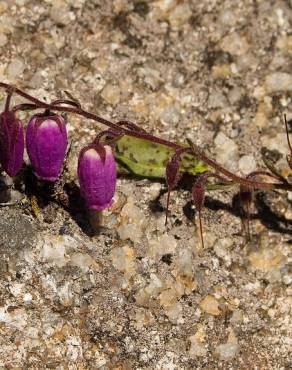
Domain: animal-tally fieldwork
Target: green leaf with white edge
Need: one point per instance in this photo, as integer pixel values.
(147, 159)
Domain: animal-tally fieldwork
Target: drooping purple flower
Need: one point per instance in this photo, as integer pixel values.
(97, 175)
(46, 143)
(11, 143)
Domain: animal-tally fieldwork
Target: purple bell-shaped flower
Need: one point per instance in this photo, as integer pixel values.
(11, 142)
(46, 143)
(97, 174)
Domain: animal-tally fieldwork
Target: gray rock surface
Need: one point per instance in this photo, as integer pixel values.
(135, 295)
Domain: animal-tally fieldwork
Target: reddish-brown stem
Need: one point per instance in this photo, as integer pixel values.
(70, 96)
(249, 183)
(262, 173)
(114, 136)
(167, 206)
(94, 117)
(131, 126)
(67, 102)
(25, 106)
(8, 99)
(201, 230)
(198, 192)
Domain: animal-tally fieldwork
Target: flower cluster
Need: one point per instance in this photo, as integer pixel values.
(46, 145)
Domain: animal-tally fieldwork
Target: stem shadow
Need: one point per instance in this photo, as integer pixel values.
(70, 200)
(262, 203)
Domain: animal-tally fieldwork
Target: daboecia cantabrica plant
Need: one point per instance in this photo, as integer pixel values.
(46, 145)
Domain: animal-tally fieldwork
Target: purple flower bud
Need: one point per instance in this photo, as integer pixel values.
(97, 174)
(46, 143)
(11, 142)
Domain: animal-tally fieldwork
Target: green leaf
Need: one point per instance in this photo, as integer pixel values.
(146, 159)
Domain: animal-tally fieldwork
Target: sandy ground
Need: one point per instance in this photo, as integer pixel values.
(135, 295)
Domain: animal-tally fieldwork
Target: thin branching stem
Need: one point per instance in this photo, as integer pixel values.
(8, 99)
(243, 181)
(201, 230)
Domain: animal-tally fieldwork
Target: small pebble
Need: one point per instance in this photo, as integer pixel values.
(247, 164)
(278, 81)
(173, 312)
(227, 18)
(124, 260)
(171, 115)
(276, 142)
(235, 44)
(235, 95)
(246, 62)
(111, 94)
(84, 261)
(180, 15)
(3, 39)
(162, 245)
(228, 350)
(3, 7)
(15, 68)
(227, 151)
(210, 305)
(217, 100)
(61, 16)
(266, 259)
(198, 347)
(151, 77)
(54, 252)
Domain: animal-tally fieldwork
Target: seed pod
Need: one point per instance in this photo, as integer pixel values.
(46, 143)
(11, 143)
(97, 175)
